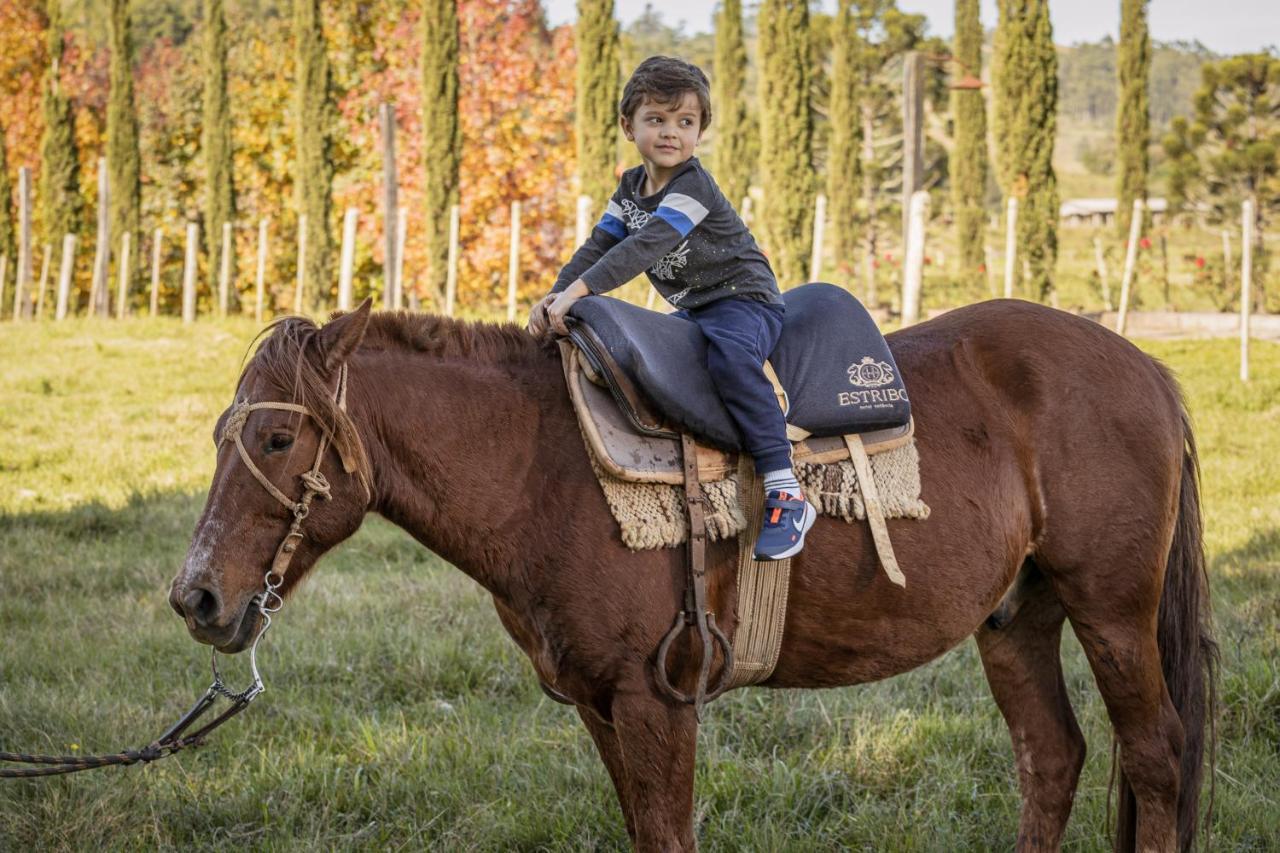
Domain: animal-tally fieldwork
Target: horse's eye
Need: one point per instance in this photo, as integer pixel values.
(279, 441)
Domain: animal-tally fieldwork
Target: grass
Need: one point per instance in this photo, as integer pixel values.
(398, 714)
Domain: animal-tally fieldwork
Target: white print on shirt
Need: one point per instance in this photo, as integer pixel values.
(677, 258)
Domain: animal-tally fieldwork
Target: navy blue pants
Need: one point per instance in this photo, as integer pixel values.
(741, 333)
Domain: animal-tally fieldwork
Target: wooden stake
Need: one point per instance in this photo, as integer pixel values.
(451, 279)
(224, 271)
(99, 298)
(65, 272)
(402, 233)
(302, 264)
(819, 223)
(390, 207)
(912, 132)
(122, 283)
(513, 262)
(21, 304)
(990, 258)
(157, 247)
(1246, 282)
(1100, 258)
(1130, 261)
(913, 267)
(347, 265)
(44, 279)
(1010, 246)
(261, 277)
(584, 221)
(746, 210)
(189, 274)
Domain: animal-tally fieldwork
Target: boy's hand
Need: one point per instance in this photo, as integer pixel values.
(538, 322)
(559, 309)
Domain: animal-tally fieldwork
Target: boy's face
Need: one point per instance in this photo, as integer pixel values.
(666, 136)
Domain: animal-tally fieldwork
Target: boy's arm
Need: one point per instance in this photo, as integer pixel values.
(607, 233)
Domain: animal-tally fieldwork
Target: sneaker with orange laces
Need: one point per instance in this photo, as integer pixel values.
(787, 518)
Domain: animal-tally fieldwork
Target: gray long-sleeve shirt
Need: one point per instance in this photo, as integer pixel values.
(686, 237)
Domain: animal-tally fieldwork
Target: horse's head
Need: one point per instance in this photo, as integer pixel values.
(268, 460)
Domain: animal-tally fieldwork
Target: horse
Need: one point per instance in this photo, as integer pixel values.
(1057, 458)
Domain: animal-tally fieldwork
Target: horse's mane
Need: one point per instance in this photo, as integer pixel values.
(449, 338)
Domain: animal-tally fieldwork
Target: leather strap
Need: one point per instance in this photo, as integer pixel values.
(875, 512)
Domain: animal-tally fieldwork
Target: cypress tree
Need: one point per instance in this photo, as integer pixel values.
(123, 158)
(1133, 122)
(8, 231)
(1026, 104)
(61, 207)
(441, 132)
(844, 170)
(786, 137)
(315, 116)
(728, 95)
(219, 198)
(969, 158)
(596, 37)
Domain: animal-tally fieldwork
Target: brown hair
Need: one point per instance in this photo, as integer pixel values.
(666, 80)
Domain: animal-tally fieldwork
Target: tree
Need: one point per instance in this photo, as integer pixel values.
(1025, 75)
(596, 37)
(215, 138)
(844, 170)
(8, 235)
(442, 133)
(123, 159)
(1133, 121)
(315, 120)
(786, 137)
(969, 157)
(728, 96)
(60, 202)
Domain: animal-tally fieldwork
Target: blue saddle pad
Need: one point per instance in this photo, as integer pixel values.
(831, 358)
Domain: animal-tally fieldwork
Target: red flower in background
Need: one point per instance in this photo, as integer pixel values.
(982, 267)
(1145, 243)
(1199, 263)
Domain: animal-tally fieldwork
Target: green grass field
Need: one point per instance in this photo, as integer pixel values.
(398, 715)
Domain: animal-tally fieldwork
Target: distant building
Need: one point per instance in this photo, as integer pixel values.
(1102, 211)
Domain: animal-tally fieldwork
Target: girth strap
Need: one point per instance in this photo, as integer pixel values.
(875, 512)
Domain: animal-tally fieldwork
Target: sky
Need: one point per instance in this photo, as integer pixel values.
(1224, 26)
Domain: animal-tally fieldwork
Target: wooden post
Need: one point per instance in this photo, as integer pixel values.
(21, 304)
(1010, 246)
(451, 277)
(513, 262)
(819, 223)
(99, 298)
(1100, 258)
(262, 268)
(189, 274)
(157, 244)
(990, 263)
(912, 133)
(390, 207)
(4, 277)
(224, 271)
(652, 298)
(584, 221)
(44, 279)
(1246, 283)
(913, 267)
(402, 233)
(302, 264)
(64, 275)
(1130, 261)
(746, 210)
(346, 266)
(122, 283)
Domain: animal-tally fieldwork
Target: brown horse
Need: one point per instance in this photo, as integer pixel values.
(1057, 459)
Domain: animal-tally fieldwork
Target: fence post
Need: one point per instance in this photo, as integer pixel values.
(20, 302)
(262, 268)
(451, 278)
(746, 210)
(99, 298)
(1010, 246)
(819, 224)
(1246, 283)
(1130, 261)
(989, 260)
(583, 227)
(913, 268)
(347, 264)
(64, 275)
(513, 262)
(302, 264)
(189, 274)
(1100, 259)
(390, 207)
(122, 285)
(402, 233)
(224, 271)
(44, 279)
(157, 242)
(912, 133)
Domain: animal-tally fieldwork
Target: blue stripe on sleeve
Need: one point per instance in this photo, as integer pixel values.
(675, 219)
(613, 226)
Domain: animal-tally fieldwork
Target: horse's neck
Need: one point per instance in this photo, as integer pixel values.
(461, 454)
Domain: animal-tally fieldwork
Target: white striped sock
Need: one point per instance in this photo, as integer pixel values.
(783, 480)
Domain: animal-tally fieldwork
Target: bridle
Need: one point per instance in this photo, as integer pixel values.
(268, 602)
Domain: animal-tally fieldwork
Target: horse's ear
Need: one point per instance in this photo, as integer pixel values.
(339, 338)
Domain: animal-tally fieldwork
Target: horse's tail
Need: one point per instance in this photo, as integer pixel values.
(1188, 655)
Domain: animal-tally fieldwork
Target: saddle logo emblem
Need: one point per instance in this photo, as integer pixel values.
(870, 373)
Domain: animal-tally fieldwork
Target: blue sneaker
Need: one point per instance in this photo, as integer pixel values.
(786, 521)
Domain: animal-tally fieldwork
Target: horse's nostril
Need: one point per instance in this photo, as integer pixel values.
(200, 605)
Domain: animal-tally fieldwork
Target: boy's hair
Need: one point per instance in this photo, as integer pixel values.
(665, 80)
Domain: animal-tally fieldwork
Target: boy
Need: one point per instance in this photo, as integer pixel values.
(669, 218)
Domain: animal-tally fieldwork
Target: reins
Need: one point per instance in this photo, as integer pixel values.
(268, 602)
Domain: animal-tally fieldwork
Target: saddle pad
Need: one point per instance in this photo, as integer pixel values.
(837, 370)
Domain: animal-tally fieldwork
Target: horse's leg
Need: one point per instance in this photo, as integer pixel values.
(1024, 668)
(605, 737)
(659, 741)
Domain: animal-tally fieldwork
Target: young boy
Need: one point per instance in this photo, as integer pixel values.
(669, 219)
